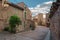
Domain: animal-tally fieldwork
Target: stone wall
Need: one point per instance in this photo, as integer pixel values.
(7, 12)
(55, 25)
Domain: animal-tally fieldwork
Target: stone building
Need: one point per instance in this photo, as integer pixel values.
(35, 19)
(8, 9)
(40, 19)
(47, 19)
(43, 18)
(54, 18)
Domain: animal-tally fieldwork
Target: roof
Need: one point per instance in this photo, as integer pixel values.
(21, 4)
(16, 6)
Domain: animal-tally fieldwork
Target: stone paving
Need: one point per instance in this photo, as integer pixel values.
(38, 34)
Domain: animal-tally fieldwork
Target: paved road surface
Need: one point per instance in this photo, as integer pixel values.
(40, 33)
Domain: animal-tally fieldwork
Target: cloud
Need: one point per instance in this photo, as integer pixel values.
(41, 8)
(48, 2)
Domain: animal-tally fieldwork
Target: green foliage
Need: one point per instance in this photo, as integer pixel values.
(13, 21)
(25, 15)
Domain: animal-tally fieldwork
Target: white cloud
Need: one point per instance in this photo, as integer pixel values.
(41, 8)
(38, 6)
(48, 2)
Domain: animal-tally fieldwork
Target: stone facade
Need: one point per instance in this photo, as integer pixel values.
(13, 9)
(55, 25)
(55, 21)
(47, 19)
(39, 20)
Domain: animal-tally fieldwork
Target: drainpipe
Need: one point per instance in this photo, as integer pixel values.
(24, 16)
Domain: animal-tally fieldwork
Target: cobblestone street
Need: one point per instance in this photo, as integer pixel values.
(39, 33)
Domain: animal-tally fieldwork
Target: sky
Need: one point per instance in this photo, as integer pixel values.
(36, 6)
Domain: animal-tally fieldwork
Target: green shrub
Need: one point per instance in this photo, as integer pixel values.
(13, 21)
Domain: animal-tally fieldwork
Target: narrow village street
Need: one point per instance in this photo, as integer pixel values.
(29, 20)
(40, 33)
